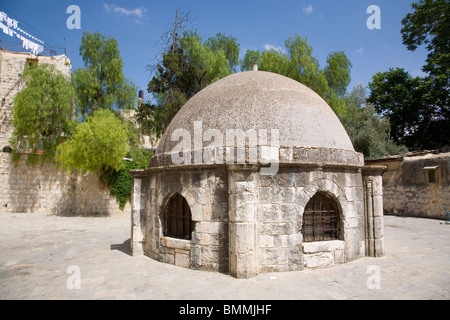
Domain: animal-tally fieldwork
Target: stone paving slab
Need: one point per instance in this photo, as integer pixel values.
(37, 251)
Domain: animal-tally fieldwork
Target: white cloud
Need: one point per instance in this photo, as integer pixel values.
(137, 14)
(269, 47)
(308, 9)
(360, 51)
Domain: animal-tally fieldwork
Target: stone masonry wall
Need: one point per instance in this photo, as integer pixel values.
(247, 223)
(45, 189)
(282, 201)
(207, 195)
(407, 190)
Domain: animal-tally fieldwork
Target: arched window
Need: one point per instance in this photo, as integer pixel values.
(177, 218)
(321, 221)
(7, 149)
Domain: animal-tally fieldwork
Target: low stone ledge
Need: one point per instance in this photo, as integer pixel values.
(323, 253)
(286, 155)
(323, 246)
(176, 243)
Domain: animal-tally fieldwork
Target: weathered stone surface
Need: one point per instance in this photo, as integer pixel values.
(45, 189)
(318, 260)
(248, 222)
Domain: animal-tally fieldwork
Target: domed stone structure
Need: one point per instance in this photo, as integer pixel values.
(256, 174)
(262, 100)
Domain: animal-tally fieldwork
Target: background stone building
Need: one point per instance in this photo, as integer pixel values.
(215, 211)
(12, 65)
(416, 184)
(42, 188)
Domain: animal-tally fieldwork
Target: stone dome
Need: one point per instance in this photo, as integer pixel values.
(262, 100)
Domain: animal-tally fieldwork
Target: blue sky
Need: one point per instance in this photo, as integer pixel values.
(138, 25)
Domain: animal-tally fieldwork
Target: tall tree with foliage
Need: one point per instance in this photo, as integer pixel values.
(402, 99)
(368, 129)
(42, 112)
(188, 67)
(228, 45)
(418, 108)
(337, 73)
(100, 143)
(298, 63)
(101, 84)
(429, 25)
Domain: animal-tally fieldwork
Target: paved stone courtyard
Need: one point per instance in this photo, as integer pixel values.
(38, 252)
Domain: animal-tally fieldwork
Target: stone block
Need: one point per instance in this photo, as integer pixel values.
(339, 256)
(269, 212)
(243, 266)
(242, 213)
(318, 260)
(168, 258)
(182, 260)
(176, 243)
(323, 246)
(274, 256)
(242, 237)
(289, 241)
(197, 212)
(266, 241)
(290, 212)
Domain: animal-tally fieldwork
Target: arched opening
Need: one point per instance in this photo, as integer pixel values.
(7, 149)
(177, 220)
(321, 220)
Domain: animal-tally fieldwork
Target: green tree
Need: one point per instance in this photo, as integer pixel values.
(42, 112)
(306, 66)
(120, 180)
(180, 75)
(100, 143)
(228, 45)
(418, 108)
(101, 84)
(250, 57)
(337, 73)
(428, 26)
(409, 104)
(368, 129)
(298, 63)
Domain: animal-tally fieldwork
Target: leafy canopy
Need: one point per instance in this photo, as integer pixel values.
(368, 129)
(101, 84)
(418, 108)
(187, 68)
(42, 111)
(98, 144)
(297, 62)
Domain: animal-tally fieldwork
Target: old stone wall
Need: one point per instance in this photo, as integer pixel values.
(207, 195)
(45, 189)
(409, 191)
(247, 223)
(282, 201)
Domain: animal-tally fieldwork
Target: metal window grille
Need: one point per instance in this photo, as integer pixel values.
(321, 220)
(177, 218)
